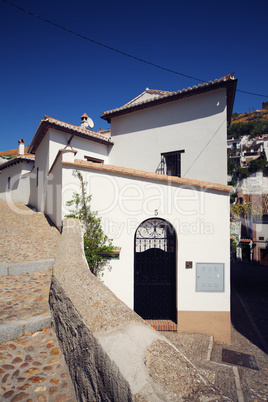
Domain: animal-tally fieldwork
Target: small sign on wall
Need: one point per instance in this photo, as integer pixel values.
(209, 277)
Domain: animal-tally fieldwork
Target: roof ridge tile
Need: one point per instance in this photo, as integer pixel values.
(150, 175)
(146, 102)
(41, 130)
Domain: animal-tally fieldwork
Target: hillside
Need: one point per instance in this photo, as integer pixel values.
(250, 116)
(252, 123)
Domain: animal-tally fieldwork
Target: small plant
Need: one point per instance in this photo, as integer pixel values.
(244, 210)
(233, 250)
(98, 247)
(232, 183)
(258, 164)
(243, 172)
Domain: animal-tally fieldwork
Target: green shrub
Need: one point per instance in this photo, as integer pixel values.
(243, 173)
(258, 164)
(98, 247)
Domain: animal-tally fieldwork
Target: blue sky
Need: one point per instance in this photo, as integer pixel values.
(47, 71)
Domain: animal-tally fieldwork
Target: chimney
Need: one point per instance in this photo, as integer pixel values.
(21, 146)
(84, 122)
(265, 105)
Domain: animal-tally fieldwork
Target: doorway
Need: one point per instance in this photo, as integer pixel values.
(155, 270)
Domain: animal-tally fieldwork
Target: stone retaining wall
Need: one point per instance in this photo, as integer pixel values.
(112, 354)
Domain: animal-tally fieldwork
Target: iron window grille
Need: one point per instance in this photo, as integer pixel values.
(95, 160)
(172, 163)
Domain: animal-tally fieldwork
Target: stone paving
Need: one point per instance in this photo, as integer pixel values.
(23, 296)
(253, 383)
(32, 367)
(228, 378)
(25, 235)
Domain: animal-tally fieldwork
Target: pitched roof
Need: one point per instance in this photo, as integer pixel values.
(228, 82)
(22, 158)
(50, 122)
(79, 163)
(13, 152)
(148, 94)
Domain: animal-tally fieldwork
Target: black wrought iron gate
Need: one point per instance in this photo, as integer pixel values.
(155, 270)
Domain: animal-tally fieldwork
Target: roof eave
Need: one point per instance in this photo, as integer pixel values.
(38, 136)
(45, 125)
(14, 161)
(230, 86)
(110, 169)
(230, 93)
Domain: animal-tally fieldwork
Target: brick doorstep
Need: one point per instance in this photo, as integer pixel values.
(162, 325)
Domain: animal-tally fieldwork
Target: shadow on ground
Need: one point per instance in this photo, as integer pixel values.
(249, 284)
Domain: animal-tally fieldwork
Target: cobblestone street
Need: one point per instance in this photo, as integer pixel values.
(24, 295)
(32, 366)
(25, 235)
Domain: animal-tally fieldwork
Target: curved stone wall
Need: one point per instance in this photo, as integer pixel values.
(112, 354)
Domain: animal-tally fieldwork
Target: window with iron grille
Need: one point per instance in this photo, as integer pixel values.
(172, 163)
(95, 160)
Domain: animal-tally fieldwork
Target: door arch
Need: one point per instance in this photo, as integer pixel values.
(155, 270)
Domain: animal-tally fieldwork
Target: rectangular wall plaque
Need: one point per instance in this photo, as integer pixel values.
(209, 277)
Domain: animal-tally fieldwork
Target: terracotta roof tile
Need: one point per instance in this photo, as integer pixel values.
(13, 152)
(79, 163)
(21, 158)
(48, 122)
(104, 131)
(155, 92)
(165, 96)
(159, 91)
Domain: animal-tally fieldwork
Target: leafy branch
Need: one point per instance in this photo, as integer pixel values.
(98, 247)
(243, 210)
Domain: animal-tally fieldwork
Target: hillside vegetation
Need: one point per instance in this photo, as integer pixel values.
(246, 117)
(252, 123)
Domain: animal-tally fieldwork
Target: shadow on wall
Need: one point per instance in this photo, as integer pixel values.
(180, 111)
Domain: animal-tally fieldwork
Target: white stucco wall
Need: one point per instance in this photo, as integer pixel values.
(201, 221)
(262, 231)
(38, 192)
(20, 178)
(59, 140)
(256, 183)
(54, 196)
(45, 155)
(196, 124)
(265, 146)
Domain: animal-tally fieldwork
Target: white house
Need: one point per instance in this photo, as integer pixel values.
(158, 181)
(253, 191)
(14, 178)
